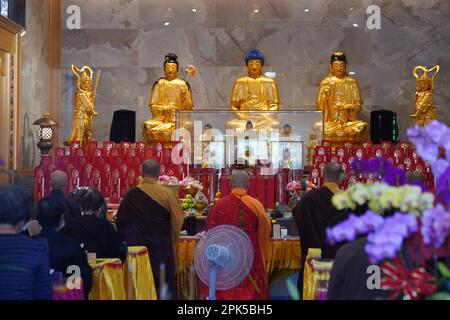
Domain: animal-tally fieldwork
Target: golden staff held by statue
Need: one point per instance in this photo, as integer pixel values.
(424, 111)
(84, 110)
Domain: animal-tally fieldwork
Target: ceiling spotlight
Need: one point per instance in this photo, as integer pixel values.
(166, 23)
(355, 25)
(306, 10)
(256, 10)
(352, 73)
(194, 10)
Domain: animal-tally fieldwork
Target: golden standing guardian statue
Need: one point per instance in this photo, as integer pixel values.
(424, 111)
(339, 98)
(254, 92)
(84, 110)
(169, 94)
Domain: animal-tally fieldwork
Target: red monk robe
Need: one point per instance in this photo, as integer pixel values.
(256, 225)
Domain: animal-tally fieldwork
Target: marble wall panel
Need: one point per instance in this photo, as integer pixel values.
(35, 77)
(128, 39)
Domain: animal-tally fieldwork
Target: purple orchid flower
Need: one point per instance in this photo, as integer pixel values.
(360, 166)
(436, 131)
(443, 187)
(354, 226)
(389, 236)
(435, 226)
(426, 140)
(379, 166)
(439, 167)
(394, 177)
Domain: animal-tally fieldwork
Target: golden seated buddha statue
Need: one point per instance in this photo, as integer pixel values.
(339, 98)
(254, 92)
(169, 94)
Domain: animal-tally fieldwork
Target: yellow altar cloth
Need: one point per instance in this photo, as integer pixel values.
(315, 270)
(281, 256)
(107, 280)
(138, 275)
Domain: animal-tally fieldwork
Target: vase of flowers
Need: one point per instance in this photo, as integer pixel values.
(407, 228)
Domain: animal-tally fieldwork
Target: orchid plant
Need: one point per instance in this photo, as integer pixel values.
(392, 215)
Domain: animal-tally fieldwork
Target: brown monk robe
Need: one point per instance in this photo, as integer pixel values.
(151, 216)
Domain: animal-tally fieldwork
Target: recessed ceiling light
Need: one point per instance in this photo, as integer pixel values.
(166, 23)
(194, 10)
(306, 10)
(256, 10)
(352, 72)
(355, 25)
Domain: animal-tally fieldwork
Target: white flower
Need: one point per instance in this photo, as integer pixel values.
(391, 198)
(361, 194)
(410, 200)
(342, 201)
(378, 189)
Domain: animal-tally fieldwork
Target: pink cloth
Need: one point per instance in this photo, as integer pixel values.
(64, 293)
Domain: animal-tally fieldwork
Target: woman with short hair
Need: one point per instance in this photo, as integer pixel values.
(94, 233)
(24, 263)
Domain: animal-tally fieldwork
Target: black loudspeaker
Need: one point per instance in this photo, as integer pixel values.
(383, 126)
(16, 12)
(123, 127)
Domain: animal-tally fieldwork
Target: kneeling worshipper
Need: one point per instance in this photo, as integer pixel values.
(243, 211)
(64, 252)
(150, 215)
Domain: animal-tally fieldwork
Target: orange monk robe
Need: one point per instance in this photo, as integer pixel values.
(264, 226)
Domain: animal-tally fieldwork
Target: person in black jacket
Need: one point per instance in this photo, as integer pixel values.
(350, 274)
(64, 252)
(94, 233)
(314, 213)
(58, 181)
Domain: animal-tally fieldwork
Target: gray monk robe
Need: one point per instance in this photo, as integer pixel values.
(151, 216)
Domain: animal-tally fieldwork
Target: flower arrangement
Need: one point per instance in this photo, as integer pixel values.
(382, 198)
(293, 186)
(191, 70)
(297, 189)
(168, 180)
(191, 183)
(399, 219)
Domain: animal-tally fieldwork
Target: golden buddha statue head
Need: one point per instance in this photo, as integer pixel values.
(425, 82)
(254, 61)
(171, 66)
(338, 64)
(287, 130)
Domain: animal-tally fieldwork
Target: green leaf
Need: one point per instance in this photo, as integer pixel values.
(444, 270)
(440, 296)
(293, 291)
